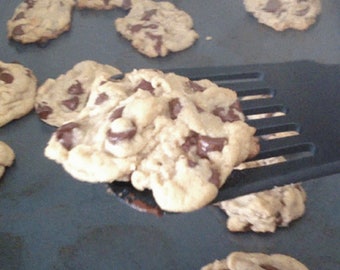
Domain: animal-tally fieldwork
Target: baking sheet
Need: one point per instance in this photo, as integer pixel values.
(50, 221)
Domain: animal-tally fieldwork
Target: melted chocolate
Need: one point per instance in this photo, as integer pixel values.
(6, 77)
(64, 134)
(75, 89)
(101, 98)
(117, 113)
(43, 111)
(72, 103)
(175, 108)
(116, 137)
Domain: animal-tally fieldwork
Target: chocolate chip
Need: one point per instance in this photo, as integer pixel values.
(117, 113)
(18, 31)
(159, 42)
(71, 104)
(126, 4)
(148, 14)
(137, 27)
(30, 3)
(101, 98)
(75, 89)
(145, 85)
(189, 142)
(272, 6)
(19, 16)
(116, 137)
(195, 86)
(43, 111)
(302, 12)
(207, 144)
(215, 178)
(64, 134)
(268, 267)
(192, 163)
(6, 77)
(228, 115)
(175, 108)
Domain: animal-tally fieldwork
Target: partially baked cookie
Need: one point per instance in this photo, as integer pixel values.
(62, 99)
(104, 4)
(255, 261)
(7, 157)
(157, 28)
(40, 20)
(161, 131)
(264, 211)
(18, 87)
(283, 14)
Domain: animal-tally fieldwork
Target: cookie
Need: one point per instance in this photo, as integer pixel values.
(264, 211)
(163, 132)
(104, 4)
(40, 20)
(18, 87)
(157, 28)
(284, 14)
(60, 100)
(7, 157)
(255, 261)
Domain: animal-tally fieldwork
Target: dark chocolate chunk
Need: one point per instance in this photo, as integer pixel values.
(43, 111)
(195, 86)
(64, 134)
(6, 77)
(272, 6)
(207, 144)
(215, 178)
(72, 103)
(159, 42)
(148, 14)
(228, 115)
(145, 85)
(75, 89)
(117, 113)
(116, 137)
(18, 31)
(101, 98)
(175, 108)
(19, 16)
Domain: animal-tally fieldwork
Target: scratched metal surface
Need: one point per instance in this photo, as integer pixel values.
(50, 221)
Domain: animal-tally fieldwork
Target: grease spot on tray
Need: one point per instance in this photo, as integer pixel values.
(119, 247)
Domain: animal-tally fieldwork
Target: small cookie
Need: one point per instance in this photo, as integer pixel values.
(18, 87)
(7, 157)
(255, 261)
(161, 131)
(40, 20)
(61, 100)
(264, 211)
(104, 4)
(283, 14)
(157, 28)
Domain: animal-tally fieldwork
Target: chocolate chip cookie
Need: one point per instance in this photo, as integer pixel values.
(264, 211)
(284, 14)
(62, 99)
(7, 157)
(104, 4)
(161, 131)
(40, 20)
(18, 87)
(157, 28)
(255, 261)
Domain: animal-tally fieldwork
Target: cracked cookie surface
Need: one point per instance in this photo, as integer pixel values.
(161, 131)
